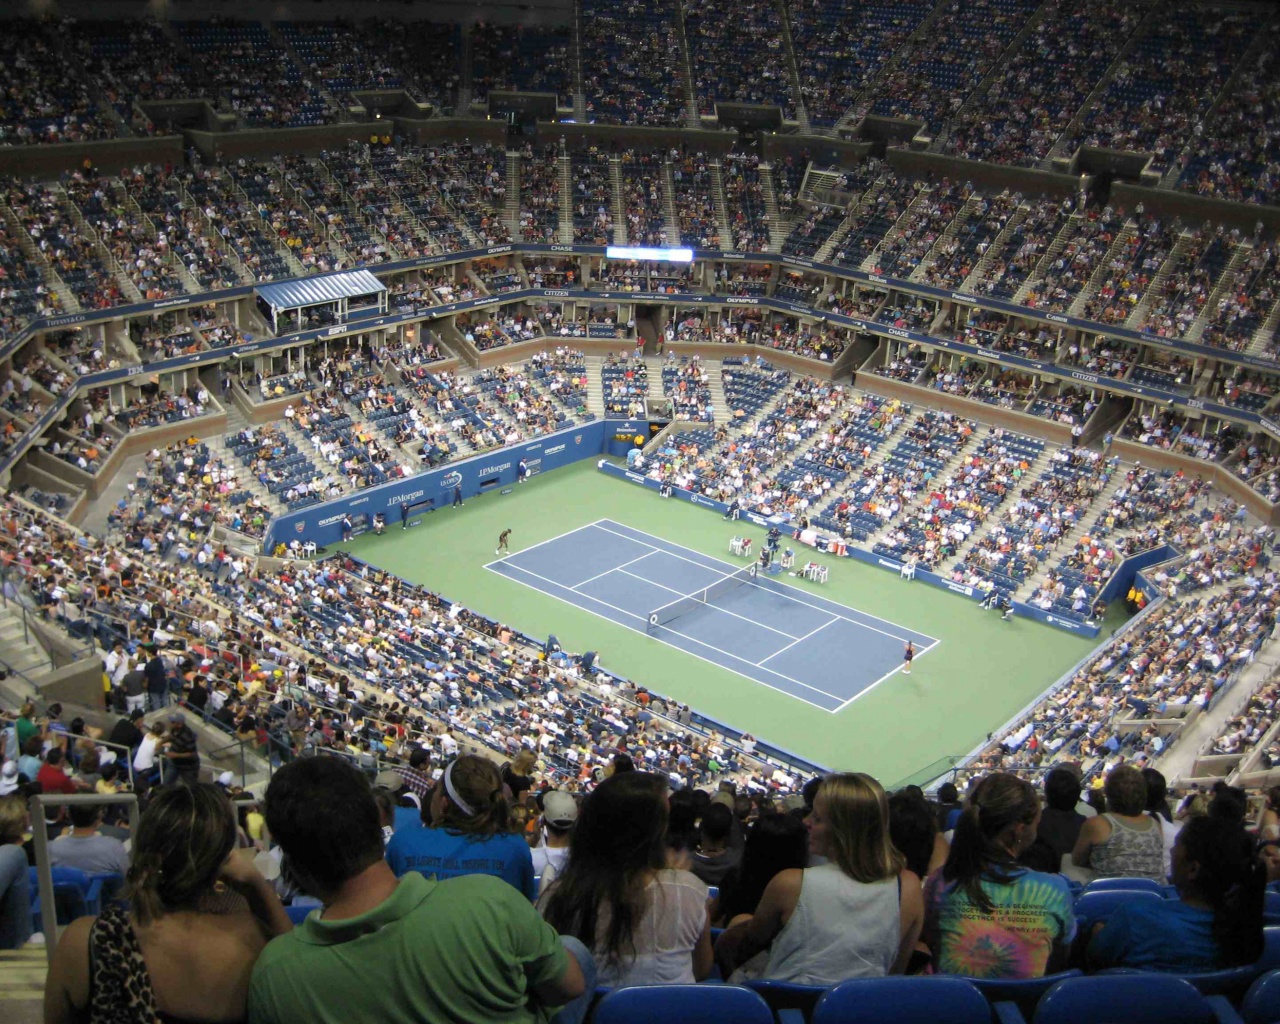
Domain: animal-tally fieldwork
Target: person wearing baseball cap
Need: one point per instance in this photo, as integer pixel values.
(559, 815)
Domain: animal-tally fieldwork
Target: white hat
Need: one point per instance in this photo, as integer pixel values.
(559, 808)
(9, 778)
(226, 779)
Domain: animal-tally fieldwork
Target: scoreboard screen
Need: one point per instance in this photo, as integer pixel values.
(632, 252)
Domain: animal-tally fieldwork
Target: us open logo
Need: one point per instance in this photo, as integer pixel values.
(451, 479)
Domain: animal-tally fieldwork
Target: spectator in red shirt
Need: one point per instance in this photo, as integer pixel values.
(53, 777)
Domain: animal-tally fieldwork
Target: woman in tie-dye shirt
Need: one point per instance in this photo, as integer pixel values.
(985, 915)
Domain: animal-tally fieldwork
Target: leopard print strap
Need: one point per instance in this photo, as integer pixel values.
(120, 987)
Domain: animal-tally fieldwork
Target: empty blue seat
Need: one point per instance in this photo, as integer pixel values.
(1131, 998)
(1124, 884)
(926, 1000)
(1262, 1004)
(682, 1004)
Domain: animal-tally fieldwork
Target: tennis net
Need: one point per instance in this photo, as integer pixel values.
(684, 605)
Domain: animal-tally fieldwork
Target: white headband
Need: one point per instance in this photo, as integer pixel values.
(463, 806)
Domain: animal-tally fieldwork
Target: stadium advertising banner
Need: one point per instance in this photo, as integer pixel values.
(923, 575)
(426, 492)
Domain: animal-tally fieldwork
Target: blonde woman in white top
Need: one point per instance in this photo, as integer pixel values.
(857, 915)
(644, 923)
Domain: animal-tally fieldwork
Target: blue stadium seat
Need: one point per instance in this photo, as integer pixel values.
(1093, 907)
(685, 1004)
(926, 1000)
(1022, 993)
(1131, 998)
(1124, 884)
(1262, 1004)
(784, 997)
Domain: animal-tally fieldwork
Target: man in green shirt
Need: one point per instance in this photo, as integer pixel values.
(408, 950)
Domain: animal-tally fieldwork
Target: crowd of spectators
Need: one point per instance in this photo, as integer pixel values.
(1040, 88)
(523, 57)
(630, 62)
(592, 198)
(540, 194)
(1235, 156)
(642, 201)
(695, 207)
(932, 83)
(1167, 81)
(833, 71)
(738, 54)
(744, 199)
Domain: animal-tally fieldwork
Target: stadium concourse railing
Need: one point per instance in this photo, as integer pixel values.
(1176, 399)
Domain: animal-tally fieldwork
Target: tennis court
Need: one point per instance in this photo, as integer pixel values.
(785, 637)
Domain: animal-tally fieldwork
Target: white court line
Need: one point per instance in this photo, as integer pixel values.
(705, 604)
(892, 672)
(495, 568)
(552, 540)
(769, 590)
(760, 664)
(616, 568)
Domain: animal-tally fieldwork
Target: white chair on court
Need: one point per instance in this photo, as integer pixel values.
(309, 549)
(820, 574)
(735, 546)
(788, 559)
(908, 571)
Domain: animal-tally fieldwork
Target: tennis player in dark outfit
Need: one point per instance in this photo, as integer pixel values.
(503, 537)
(907, 655)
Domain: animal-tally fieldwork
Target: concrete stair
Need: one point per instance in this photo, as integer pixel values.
(18, 647)
(1239, 257)
(1156, 288)
(841, 232)
(1050, 254)
(905, 218)
(1103, 269)
(22, 977)
(962, 217)
(595, 385)
(619, 208)
(566, 199)
(1265, 334)
(772, 212)
(997, 245)
(669, 203)
(511, 201)
(722, 207)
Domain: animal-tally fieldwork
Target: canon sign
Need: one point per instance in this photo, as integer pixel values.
(1057, 318)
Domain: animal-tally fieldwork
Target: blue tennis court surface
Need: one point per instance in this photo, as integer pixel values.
(789, 639)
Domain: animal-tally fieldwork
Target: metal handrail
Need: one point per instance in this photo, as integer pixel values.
(40, 834)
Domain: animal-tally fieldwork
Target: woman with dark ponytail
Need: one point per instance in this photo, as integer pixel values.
(986, 916)
(198, 917)
(1215, 922)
